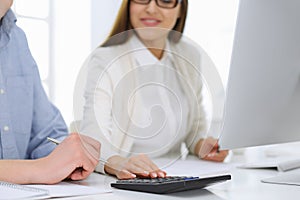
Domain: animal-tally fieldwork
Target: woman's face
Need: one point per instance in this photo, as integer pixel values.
(157, 21)
(4, 6)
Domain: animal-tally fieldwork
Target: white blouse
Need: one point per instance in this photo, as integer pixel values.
(159, 121)
(135, 105)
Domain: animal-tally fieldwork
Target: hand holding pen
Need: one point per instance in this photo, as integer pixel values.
(208, 149)
(76, 157)
(58, 142)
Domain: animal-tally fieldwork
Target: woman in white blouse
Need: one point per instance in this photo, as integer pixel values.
(143, 91)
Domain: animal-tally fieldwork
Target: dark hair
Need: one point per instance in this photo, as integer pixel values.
(122, 25)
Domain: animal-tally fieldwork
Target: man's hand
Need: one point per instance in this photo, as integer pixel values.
(75, 157)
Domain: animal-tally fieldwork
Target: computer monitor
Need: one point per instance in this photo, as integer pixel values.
(263, 91)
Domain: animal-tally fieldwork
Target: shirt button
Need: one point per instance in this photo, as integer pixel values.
(2, 91)
(6, 128)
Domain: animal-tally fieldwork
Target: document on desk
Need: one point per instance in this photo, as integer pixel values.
(69, 189)
(16, 191)
(287, 178)
(193, 167)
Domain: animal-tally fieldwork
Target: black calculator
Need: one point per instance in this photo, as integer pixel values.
(169, 184)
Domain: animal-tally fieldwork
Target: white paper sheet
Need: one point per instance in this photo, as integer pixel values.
(194, 167)
(66, 189)
(15, 191)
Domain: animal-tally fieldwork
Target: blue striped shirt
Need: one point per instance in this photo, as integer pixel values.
(27, 117)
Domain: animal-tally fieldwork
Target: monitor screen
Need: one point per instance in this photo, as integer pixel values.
(263, 91)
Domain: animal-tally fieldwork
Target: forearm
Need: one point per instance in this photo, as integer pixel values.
(20, 171)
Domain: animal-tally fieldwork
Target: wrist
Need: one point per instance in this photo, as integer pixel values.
(198, 148)
(31, 171)
(113, 164)
(36, 171)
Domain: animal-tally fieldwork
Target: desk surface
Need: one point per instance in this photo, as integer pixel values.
(245, 184)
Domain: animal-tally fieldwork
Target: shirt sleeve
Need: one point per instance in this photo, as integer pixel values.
(199, 122)
(97, 114)
(202, 127)
(46, 121)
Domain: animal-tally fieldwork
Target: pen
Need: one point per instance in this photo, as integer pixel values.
(53, 140)
(57, 143)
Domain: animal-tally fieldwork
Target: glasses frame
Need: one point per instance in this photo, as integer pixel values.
(156, 1)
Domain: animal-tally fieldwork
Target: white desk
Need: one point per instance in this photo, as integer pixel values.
(245, 184)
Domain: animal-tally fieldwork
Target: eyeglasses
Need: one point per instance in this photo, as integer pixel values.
(160, 3)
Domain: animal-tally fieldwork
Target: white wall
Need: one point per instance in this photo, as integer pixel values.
(211, 24)
(103, 16)
(72, 44)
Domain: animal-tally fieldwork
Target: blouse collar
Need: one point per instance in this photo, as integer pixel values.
(143, 56)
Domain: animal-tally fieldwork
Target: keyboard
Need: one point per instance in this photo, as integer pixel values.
(169, 184)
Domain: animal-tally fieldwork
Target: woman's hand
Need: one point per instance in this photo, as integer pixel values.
(127, 168)
(208, 149)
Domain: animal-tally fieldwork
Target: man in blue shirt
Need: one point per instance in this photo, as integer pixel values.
(27, 118)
